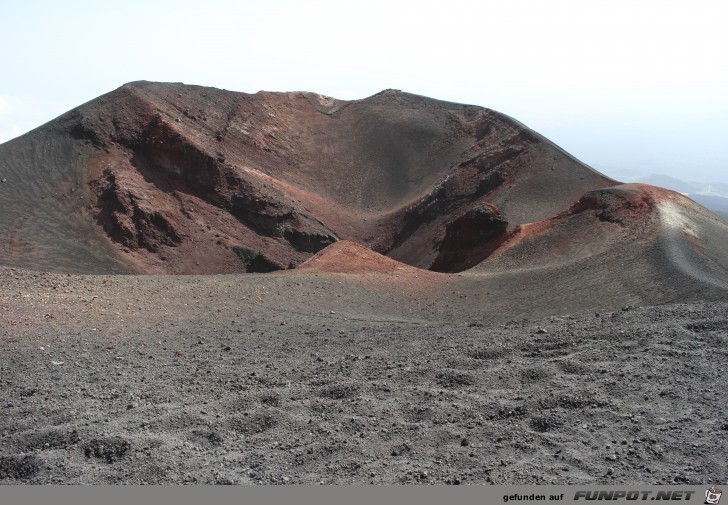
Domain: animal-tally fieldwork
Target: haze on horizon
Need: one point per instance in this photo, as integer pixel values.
(626, 87)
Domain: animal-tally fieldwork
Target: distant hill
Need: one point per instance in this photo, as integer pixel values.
(716, 204)
(683, 186)
(672, 183)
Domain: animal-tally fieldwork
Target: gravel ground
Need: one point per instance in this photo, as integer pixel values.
(214, 380)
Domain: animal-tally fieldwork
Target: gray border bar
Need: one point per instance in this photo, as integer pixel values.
(355, 495)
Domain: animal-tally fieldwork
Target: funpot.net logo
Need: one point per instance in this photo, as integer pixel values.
(631, 495)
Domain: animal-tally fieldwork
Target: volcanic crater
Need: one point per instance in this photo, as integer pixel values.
(169, 178)
(415, 291)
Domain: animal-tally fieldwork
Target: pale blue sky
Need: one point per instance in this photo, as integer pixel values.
(623, 85)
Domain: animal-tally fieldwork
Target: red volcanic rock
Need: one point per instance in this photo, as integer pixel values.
(129, 217)
(622, 204)
(352, 258)
(470, 238)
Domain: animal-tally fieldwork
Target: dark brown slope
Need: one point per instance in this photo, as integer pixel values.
(630, 244)
(157, 178)
(47, 217)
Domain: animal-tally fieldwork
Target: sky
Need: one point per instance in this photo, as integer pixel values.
(627, 87)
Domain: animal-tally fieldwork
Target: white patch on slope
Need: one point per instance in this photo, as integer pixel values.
(672, 216)
(679, 227)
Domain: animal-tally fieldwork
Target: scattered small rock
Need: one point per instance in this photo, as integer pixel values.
(18, 467)
(107, 449)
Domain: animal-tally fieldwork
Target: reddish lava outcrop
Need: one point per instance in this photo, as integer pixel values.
(620, 204)
(352, 258)
(470, 238)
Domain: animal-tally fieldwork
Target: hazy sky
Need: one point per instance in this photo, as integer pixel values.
(635, 85)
